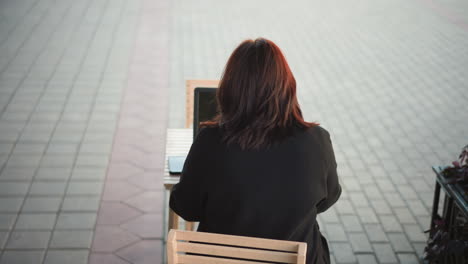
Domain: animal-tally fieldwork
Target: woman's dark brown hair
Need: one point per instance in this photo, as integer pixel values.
(257, 96)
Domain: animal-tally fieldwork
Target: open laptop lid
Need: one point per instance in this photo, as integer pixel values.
(205, 107)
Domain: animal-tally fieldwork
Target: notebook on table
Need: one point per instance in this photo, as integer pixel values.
(204, 108)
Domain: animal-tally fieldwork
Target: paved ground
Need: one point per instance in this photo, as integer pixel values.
(84, 104)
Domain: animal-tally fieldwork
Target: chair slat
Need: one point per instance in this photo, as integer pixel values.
(239, 241)
(191, 259)
(235, 252)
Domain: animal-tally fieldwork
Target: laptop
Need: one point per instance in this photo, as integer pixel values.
(205, 107)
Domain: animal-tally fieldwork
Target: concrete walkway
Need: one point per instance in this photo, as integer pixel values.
(88, 88)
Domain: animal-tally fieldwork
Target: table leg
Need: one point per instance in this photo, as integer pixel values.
(173, 220)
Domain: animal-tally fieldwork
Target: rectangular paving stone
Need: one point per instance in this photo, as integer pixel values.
(80, 203)
(50, 188)
(343, 253)
(344, 206)
(84, 173)
(399, 242)
(390, 223)
(92, 160)
(407, 258)
(23, 256)
(14, 188)
(381, 207)
(351, 223)
(58, 160)
(3, 238)
(10, 204)
(29, 148)
(367, 215)
(84, 188)
(330, 216)
(67, 256)
(7, 221)
(35, 221)
(404, 215)
(57, 174)
(366, 259)
(360, 243)
(414, 233)
(336, 232)
(384, 253)
(17, 174)
(72, 239)
(76, 221)
(23, 160)
(375, 233)
(28, 240)
(42, 204)
(394, 199)
(62, 148)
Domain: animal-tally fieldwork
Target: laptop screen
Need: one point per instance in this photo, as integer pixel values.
(205, 107)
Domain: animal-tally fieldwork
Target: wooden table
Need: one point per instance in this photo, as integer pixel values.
(178, 142)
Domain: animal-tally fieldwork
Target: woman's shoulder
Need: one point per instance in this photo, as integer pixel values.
(317, 132)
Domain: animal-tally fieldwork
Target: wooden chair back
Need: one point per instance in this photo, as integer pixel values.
(190, 87)
(228, 249)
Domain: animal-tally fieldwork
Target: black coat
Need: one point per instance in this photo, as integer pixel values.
(274, 193)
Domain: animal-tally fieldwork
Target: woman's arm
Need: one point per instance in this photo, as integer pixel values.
(187, 196)
(333, 186)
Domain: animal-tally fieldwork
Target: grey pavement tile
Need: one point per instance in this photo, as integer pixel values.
(404, 215)
(351, 223)
(81, 203)
(53, 173)
(358, 199)
(14, 188)
(7, 221)
(25, 174)
(5, 148)
(3, 238)
(10, 204)
(343, 253)
(384, 253)
(85, 188)
(29, 148)
(414, 233)
(406, 258)
(96, 148)
(66, 256)
(72, 239)
(62, 148)
(22, 257)
(344, 206)
(366, 259)
(24, 160)
(28, 240)
(330, 216)
(47, 188)
(85, 173)
(367, 215)
(42, 204)
(419, 248)
(92, 160)
(37, 221)
(336, 232)
(375, 233)
(58, 160)
(381, 207)
(390, 223)
(360, 243)
(76, 221)
(394, 199)
(399, 242)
